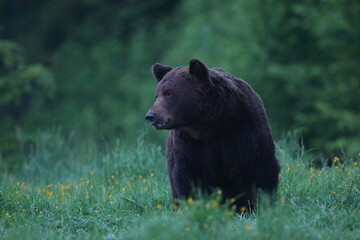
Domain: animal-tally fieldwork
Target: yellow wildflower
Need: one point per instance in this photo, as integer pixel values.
(336, 159)
(243, 209)
(158, 206)
(110, 196)
(190, 200)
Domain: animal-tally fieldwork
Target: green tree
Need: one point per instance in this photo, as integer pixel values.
(23, 90)
(310, 55)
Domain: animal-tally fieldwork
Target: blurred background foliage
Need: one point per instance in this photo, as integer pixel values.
(84, 66)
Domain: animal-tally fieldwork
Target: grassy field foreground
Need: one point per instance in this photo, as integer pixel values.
(68, 192)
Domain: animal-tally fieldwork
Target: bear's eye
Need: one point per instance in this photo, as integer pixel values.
(167, 93)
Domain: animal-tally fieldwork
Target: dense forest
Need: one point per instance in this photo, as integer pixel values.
(84, 66)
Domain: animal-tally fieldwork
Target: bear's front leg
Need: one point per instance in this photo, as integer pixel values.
(180, 181)
(241, 190)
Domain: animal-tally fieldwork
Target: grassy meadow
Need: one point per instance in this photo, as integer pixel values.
(67, 191)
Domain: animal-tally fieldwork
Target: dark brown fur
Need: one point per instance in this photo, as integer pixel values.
(219, 133)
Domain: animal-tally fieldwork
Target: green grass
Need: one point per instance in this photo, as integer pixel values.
(64, 191)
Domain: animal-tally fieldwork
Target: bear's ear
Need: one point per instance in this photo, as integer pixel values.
(159, 71)
(198, 69)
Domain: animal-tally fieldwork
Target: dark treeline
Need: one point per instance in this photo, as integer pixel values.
(85, 65)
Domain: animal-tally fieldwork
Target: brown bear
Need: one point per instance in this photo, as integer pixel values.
(219, 133)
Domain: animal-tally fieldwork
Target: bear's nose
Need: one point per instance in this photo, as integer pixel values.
(150, 117)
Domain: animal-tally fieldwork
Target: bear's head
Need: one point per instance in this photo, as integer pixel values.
(181, 96)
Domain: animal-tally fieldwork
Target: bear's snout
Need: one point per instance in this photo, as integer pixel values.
(150, 117)
(156, 121)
